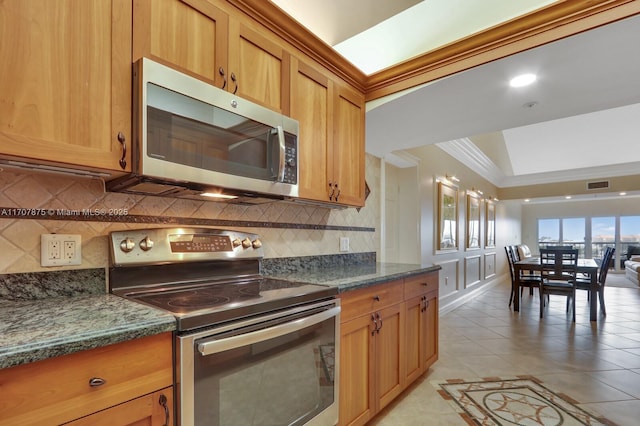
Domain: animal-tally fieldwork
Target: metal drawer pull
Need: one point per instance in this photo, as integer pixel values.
(94, 382)
(379, 319)
(376, 298)
(163, 403)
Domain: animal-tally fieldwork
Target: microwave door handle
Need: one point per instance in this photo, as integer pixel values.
(281, 153)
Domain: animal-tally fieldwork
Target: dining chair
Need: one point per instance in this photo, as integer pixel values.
(526, 280)
(559, 268)
(585, 283)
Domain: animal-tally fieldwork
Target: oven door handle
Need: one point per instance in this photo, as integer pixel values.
(216, 346)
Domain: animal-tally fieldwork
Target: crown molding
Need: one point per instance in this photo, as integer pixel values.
(471, 156)
(554, 22)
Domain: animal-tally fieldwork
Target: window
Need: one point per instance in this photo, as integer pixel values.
(603, 235)
(629, 232)
(573, 233)
(592, 235)
(548, 231)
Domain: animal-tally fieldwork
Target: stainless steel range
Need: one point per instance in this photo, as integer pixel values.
(249, 350)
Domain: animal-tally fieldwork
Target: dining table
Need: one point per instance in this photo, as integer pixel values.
(585, 266)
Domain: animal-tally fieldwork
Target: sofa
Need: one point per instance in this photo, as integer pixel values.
(632, 269)
(632, 250)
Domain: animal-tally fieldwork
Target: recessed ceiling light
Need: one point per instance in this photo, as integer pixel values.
(568, 197)
(623, 193)
(526, 200)
(522, 80)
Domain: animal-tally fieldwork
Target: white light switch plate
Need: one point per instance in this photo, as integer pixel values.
(60, 249)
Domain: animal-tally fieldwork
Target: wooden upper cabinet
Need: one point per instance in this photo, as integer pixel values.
(229, 51)
(190, 35)
(311, 105)
(65, 81)
(258, 67)
(347, 154)
(331, 141)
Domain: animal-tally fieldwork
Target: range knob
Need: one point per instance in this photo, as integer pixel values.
(256, 243)
(246, 243)
(236, 243)
(127, 245)
(146, 244)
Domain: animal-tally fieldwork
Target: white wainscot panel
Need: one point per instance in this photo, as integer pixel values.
(472, 270)
(448, 277)
(489, 265)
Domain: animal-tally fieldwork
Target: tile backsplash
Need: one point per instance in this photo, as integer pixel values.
(287, 229)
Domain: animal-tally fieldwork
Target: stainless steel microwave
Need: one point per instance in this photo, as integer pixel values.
(194, 140)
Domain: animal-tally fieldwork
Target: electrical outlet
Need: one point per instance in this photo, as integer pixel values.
(344, 244)
(60, 249)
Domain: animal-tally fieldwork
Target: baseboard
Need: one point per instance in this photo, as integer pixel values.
(459, 301)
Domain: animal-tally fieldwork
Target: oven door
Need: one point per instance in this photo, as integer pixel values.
(281, 369)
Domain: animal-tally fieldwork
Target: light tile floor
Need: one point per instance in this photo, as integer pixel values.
(597, 364)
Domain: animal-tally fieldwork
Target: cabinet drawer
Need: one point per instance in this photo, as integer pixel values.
(59, 389)
(358, 302)
(420, 284)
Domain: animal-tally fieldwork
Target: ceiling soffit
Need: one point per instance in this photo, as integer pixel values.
(354, 16)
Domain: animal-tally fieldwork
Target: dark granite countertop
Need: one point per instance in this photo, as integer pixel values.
(32, 330)
(351, 277)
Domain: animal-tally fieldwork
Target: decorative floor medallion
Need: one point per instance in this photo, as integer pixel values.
(514, 401)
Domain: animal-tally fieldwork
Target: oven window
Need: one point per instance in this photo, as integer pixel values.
(285, 380)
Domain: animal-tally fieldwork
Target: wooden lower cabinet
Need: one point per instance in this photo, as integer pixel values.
(389, 341)
(421, 325)
(389, 338)
(356, 371)
(152, 409)
(118, 384)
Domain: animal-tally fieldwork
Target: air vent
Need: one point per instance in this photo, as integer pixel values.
(603, 184)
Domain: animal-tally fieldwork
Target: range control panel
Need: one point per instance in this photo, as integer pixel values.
(148, 246)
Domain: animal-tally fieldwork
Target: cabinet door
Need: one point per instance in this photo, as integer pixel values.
(311, 105)
(389, 339)
(347, 149)
(65, 81)
(260, 67)
(356, 371)
(431, 331)
(188, 34)
(155, 409)
(414, 349)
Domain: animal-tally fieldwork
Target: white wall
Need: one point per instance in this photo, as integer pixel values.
(400, 218)
(463, 271)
